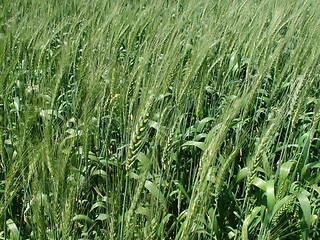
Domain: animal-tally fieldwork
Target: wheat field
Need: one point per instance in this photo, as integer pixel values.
(136, 119)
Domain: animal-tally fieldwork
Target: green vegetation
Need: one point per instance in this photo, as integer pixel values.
(159, 119)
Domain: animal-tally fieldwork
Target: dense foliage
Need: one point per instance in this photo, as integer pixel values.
(159, 119)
